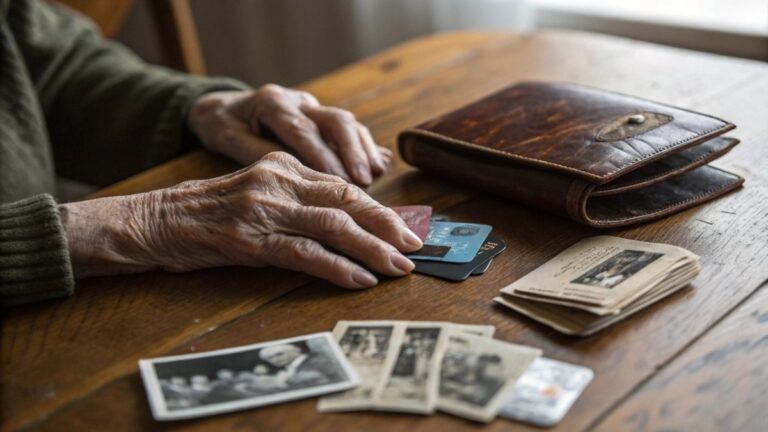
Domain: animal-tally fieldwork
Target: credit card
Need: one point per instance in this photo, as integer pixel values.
(545, 392)
(459, 272)
(455, 242)
(482, 268)
(417, 217)
(439, 217)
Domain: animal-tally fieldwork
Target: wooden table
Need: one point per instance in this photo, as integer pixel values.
(696, 361)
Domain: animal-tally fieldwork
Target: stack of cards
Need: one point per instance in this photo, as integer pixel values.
(599, 281)
(421, 367)
(452, 250)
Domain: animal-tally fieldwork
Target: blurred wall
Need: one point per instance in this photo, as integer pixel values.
(290, 41)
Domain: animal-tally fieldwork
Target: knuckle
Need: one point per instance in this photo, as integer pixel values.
(271, 91)
(346, 193)
(262, 174)
(280, 158)
(307, 97)
(338, 267)
(302, 250)
(301, 127)
(333, 221)
(272, 174)
(344, 117)
(189, 184)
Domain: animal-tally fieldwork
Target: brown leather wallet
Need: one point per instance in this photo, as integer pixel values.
(601, 158)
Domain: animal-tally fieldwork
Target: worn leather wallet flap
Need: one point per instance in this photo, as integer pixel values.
(591, 133)
(601, 158)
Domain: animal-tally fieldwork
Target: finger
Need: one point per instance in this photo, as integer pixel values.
(385, 152)
(341, 127)
(381, 221)
(308, 256)
(386, 158)
(301, 134)
(378, 166)
(337, 229)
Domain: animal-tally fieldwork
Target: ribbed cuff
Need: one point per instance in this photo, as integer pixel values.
(34, 260)
(171, 136)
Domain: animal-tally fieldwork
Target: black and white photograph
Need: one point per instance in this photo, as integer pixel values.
(412, 382)
(411, 370)
(367, 347)
(617, 268)
(366, 344)
(476, 372)
(471, 378)
(250, 376)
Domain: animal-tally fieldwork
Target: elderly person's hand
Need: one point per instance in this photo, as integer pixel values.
(327, 139)
(276, 212)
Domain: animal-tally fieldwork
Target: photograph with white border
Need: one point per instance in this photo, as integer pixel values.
(200, 384)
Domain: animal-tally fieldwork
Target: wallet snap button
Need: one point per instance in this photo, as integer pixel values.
(636, 119)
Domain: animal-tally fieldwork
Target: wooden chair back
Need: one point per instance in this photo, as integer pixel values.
(176, 27)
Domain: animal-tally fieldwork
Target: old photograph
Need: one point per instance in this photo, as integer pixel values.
(617, 269)
(250, 376)
(369, 348)
(411, 384)
(470, 377)
(477, 372)
(366, 344)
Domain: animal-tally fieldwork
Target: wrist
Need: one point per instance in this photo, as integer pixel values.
(104, 236)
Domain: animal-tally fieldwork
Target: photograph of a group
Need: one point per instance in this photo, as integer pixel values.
(256, 375)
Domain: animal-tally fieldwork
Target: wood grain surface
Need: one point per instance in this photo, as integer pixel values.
(71, 364)
(721, 382)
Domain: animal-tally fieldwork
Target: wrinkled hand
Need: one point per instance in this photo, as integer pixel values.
(328, 139)
(276, 212)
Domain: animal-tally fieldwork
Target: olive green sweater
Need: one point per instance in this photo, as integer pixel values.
(73, 105)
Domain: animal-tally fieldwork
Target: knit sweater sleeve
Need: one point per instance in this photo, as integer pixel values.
(109, 114)
(34, 262)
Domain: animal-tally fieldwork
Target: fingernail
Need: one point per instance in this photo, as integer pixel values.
(363, 174)
(376, 169)
(412, 240)
(364, 279)
(402, 263)
(379, 162)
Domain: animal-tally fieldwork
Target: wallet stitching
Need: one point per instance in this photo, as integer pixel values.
(667, 172)
(567, 168)
(738, 179)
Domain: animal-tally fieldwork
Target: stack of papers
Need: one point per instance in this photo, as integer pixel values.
(599, 281)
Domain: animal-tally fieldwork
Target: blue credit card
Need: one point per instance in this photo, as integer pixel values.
(453, 242)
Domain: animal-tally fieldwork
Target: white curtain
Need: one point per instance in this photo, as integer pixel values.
(378, 24)
(288, 41)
